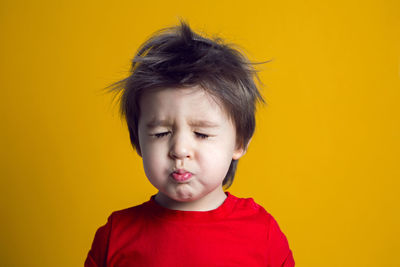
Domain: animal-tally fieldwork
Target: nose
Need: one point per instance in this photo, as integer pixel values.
(181, 147)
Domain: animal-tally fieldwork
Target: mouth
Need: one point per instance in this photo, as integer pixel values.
(181, 175)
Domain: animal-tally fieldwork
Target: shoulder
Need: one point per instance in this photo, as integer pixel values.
(249, 211)
(278, 249)
(107, 236)
(123, 217)
(247, 206)
(251, 208)
(128, 216)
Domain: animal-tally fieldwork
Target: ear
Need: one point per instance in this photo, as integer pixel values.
(240, 150)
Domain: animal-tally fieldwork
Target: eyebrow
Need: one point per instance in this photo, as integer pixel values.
(194, 123)
(203, 124)
(157, 122)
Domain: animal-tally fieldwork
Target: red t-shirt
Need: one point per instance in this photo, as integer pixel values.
(237, 233)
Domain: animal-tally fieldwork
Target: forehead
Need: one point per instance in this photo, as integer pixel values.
(195, 102)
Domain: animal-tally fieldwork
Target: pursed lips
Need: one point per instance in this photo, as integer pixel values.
(181, 175)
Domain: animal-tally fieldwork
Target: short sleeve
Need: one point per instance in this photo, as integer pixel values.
(97, 255)
(279, 253)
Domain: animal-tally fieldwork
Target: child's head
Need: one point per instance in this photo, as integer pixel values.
(179, 58)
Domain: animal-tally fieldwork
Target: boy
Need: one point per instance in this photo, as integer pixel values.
(189, 104)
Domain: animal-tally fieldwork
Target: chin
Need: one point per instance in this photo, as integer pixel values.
(185, 197)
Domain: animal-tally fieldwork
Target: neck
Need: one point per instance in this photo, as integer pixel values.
(208, 202)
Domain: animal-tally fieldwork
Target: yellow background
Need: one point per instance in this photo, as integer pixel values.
(324, 160)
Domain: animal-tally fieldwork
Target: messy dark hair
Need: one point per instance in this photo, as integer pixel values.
(177, 57)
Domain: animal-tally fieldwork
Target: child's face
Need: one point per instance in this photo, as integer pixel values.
(187, 143)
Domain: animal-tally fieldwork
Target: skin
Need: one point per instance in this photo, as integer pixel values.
(186, 129)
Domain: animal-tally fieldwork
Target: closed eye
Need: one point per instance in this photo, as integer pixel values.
(200, 135)
(160, 135)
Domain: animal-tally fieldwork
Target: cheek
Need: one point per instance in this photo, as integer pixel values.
(153, 159)
(216, 160)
